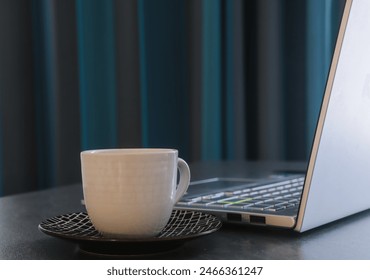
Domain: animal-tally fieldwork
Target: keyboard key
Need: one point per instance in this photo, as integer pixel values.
(271, 197)
(258, 207)
(290, 205)
(275, 209)
(214, 196)
(239, 206)
(268, 200)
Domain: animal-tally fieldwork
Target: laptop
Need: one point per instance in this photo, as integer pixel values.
(336, 183)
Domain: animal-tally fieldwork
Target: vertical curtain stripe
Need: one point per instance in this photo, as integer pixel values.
(45, 81)
(240, 141)
(234, 76)
(67, 101)
(194, 47)
(96, 52)
(250, 63)
(294, 77)
(143, 75)
(211, 96)
(17, 98)
(270, 101)
(128, 74)
(229, 79)
(165, 102)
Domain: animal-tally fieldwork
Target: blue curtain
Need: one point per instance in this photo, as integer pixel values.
(163, 70)
(215, 79)
(97, 82)
(44, 49)
(212, 81)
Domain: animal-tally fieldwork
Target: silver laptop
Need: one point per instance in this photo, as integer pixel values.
(336, 183)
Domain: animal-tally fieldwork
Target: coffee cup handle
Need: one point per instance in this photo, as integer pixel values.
(183, 185)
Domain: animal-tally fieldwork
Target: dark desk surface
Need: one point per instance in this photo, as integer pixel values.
(21, 239)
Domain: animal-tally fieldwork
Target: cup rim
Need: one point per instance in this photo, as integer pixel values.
(128, 151)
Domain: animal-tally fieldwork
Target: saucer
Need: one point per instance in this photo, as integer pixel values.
(183, 225)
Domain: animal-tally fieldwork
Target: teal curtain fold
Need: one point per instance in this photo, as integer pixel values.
(143, 75)
(96, 58)
(270, 80)
(229, 44)
(45, 89)
(129, 102)
(18, 148)
(212, 81)
(294, 53)
(55, 93)
(163, 75)
(215, 79)
(233, 42)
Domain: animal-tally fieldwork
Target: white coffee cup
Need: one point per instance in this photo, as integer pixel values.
(130, 193)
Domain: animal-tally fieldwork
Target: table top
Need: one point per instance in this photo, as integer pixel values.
(21, 214)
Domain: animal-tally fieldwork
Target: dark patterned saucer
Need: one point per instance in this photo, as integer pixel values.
(182, 226)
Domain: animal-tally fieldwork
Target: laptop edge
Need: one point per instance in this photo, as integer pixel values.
(340, 155)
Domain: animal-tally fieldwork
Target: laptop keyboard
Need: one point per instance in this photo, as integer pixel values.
(270, 197)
